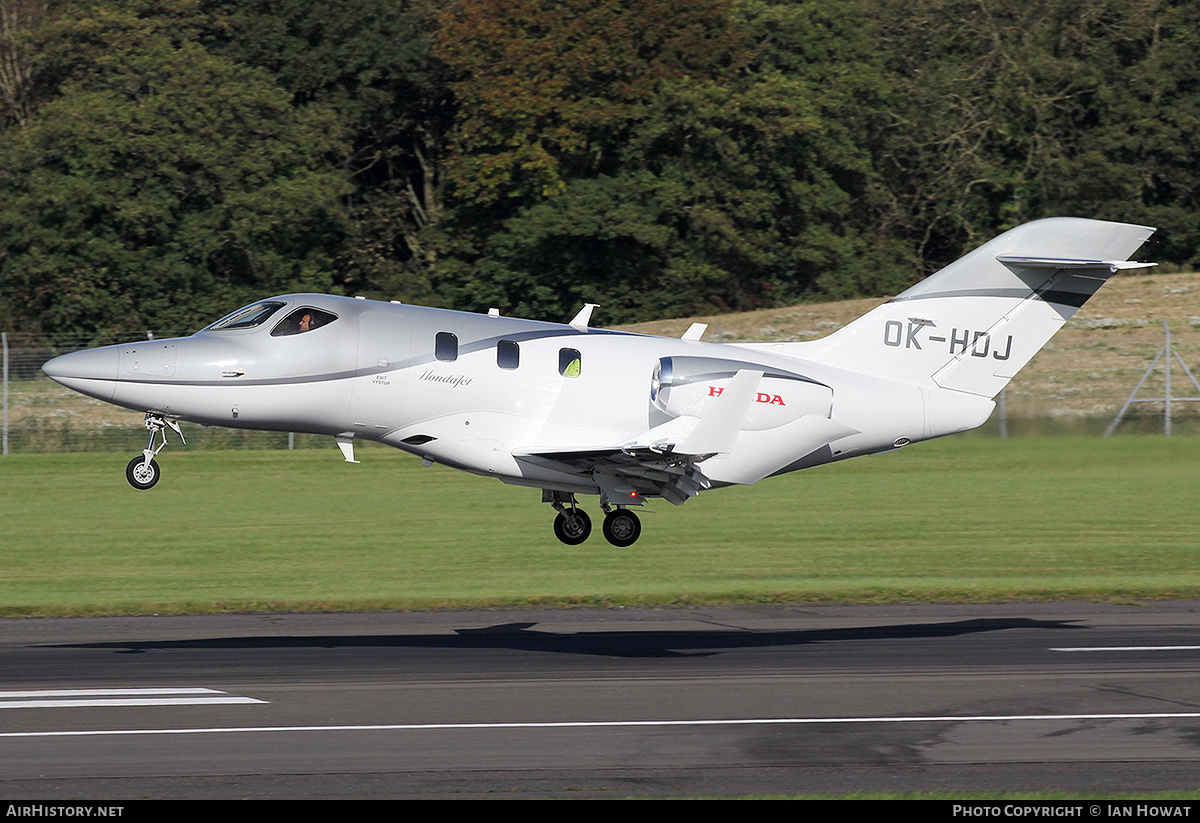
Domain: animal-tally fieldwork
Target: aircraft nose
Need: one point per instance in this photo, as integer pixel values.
(92, 371)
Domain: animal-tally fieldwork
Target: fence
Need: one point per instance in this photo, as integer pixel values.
(39, 415)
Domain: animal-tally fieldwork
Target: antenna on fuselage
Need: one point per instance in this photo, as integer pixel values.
(585, 314)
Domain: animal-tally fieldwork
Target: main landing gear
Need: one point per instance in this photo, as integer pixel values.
(573, 526)
(142, 471)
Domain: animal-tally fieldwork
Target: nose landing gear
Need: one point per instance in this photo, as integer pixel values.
(142, 471)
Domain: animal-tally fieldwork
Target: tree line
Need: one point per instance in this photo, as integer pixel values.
(164, 161)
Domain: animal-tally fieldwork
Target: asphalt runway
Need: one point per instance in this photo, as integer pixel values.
(1081, 698)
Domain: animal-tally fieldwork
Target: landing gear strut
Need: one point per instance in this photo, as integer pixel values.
(573, 526)
(142, 471)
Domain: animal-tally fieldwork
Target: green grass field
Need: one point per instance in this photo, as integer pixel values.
(963, 519)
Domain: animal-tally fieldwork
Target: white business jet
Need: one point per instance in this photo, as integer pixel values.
(574, 410)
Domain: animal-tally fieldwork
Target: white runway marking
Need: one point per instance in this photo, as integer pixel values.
(1127, 649)
(75, 698)
(617, 724)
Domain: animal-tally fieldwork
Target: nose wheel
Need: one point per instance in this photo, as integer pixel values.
(142, 471)
(141, 474)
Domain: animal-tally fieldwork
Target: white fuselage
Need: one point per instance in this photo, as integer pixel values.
(574, 410)
(481, 392)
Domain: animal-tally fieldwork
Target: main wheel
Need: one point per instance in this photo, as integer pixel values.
(572, 527)
(622, 527)
(140, 474)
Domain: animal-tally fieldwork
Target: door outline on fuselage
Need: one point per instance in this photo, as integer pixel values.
(380, 373)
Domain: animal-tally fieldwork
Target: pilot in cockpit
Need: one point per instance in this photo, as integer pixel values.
(301, 321)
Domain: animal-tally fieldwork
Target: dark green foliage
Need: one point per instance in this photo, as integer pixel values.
(1010, 111)
(663, 158)
(372, 63)
(163, 185)
(164, 160)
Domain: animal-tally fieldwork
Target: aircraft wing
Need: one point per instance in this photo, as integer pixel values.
(627, 475)
(662, 461)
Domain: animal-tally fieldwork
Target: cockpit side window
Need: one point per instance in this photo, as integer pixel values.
(302, 320)
(247, 317)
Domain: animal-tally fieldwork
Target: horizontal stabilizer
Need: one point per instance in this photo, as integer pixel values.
(1012, 260)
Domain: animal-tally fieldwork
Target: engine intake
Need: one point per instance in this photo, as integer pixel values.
(685, 386)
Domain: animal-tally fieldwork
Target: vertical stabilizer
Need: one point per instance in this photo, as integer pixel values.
(971, 326)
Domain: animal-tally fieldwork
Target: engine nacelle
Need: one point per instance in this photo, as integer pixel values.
(686, 386)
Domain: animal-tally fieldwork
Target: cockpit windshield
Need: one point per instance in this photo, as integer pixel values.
(248, 317)
(302, 320)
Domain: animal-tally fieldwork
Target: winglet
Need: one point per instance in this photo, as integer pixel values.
(584, 315)
(718, 430)
(695, 331)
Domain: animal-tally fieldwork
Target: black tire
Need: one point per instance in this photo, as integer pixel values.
(140, 474)
(622, 527)
(572, 528)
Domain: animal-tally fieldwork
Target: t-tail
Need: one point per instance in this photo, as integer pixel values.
(973, 325)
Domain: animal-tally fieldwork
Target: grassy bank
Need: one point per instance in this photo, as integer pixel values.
(1075, 385)
(968, 518)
